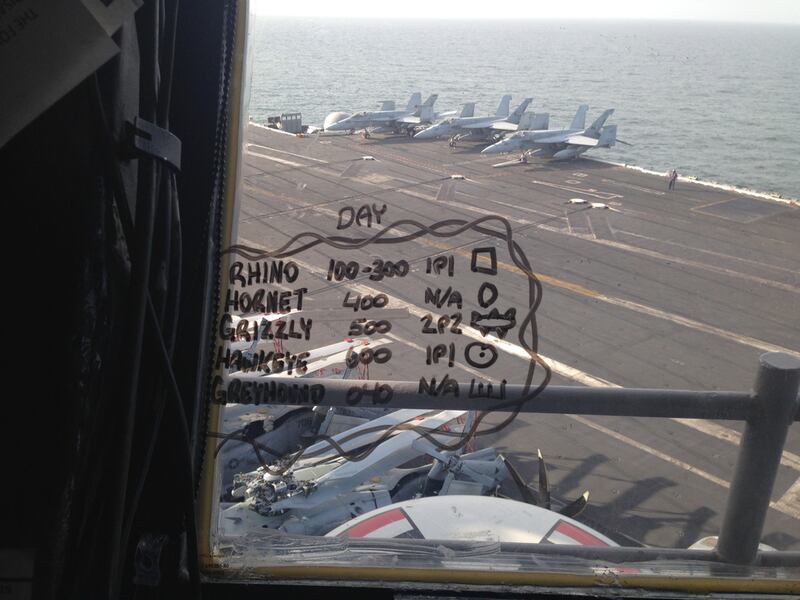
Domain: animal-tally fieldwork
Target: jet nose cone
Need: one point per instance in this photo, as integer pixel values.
(425, 134)
(493, 149)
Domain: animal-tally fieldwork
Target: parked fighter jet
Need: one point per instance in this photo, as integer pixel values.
(478, 128)
(563, 144)
(389, 121)
(447, 127)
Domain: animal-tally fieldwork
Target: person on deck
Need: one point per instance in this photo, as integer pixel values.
(673, 177)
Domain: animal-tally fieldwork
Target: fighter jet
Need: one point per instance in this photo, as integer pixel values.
(477, 128)
(389, 120)
(563, 144)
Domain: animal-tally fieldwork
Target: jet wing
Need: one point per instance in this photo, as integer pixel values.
(478, 125)
(409, 119)
(505, 126)
(582, 140)
(553, 139)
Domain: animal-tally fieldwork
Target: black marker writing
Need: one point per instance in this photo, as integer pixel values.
(365, 302)
(446, 386)
(435, 264)
(494, 322)
(267, 272)
(479, 255)
(362, 214)
(438, 298)
(366, 356)
(268, 391)
(380, 393)
(263, 301)
(442, 323)
(439, 351)
(484, 260)
(487, 287)
(364, 327)
(479, 355)
(479, 389)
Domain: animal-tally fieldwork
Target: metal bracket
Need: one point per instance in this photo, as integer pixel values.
(159, 143)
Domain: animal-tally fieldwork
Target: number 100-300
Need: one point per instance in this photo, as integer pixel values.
(338, 270)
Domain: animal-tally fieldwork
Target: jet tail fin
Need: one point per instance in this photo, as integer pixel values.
(519, 111)
(608, 136)
(595, 127)
(415, 101)
(540, 121)
(468, 110)
(534, 121)
(502, 108)
(430, 100)
(530, 121)
(579, 120)
(387, 105)
(425, 113)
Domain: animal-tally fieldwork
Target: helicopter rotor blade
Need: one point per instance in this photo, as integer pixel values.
(527, 494)
(574, 508)
(544, 485)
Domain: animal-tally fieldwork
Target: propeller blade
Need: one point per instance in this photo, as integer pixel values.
(575, 507)
(527, 493)
(544, 486)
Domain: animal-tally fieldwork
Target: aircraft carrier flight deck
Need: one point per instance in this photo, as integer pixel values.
(641, 287)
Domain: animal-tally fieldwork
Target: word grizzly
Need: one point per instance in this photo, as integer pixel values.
(245, 330)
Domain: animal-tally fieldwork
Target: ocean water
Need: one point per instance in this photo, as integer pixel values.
(717, 101)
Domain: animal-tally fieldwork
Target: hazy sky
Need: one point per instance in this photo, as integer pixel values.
(770, 11)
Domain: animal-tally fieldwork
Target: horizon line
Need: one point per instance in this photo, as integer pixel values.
(517, 19)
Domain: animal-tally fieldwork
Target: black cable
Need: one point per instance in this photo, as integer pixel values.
(174, 392)
(176, 273)
(140, 276)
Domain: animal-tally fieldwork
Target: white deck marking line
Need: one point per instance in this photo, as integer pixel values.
(680, 261)
(789, 503)
(523, 208)
(325, 162)
(586, 191)
(652, 451)
(692, 324)
(634, 187)
(788, 459)
(720, 254)
(556, 366)
(475, 209)
(274, 158)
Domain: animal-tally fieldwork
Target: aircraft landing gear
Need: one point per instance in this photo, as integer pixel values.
(523, 158)
(366, 134)
(452, 143)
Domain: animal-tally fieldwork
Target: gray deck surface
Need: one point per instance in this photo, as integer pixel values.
(680, 290)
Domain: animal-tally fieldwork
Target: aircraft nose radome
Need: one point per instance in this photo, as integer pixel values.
(426, 133)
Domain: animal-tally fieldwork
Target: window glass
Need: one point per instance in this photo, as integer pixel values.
(399, 314)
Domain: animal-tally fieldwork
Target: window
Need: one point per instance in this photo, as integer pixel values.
(427, 353)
